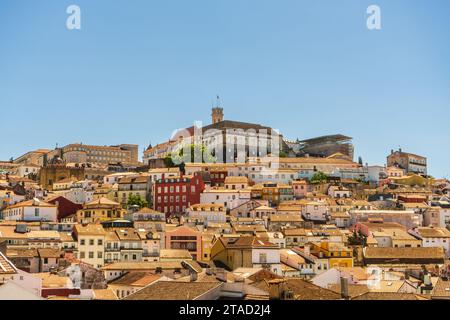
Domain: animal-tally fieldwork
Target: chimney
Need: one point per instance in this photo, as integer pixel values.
(344, 288)
(276, 289)
(193, 276)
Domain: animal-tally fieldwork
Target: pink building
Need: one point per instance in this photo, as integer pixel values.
(300, 188)
(185, 238)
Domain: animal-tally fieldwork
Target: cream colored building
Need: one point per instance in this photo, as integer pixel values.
(91, 244)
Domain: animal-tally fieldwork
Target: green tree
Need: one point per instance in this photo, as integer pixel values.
(168, 162)
(282, 154)
(136, 200)
(357, 238)
(360, 160)
(319, 177)
(177, 157)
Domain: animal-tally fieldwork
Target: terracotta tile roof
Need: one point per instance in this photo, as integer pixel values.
(21, 253)
(66, 236)
(304, 290)
(43, 234)
(236, 179)
(441, 289)
(356, 272)
(90, 229)
(134, 179)
(8, 232)
(295, 232)
(111, 236)
(146, 280)
(427, 232)
(128, 234)
(53, 281)
(388, 296)
(101, 201)
(49, 253)
(136, 278)
(249, 227)
(150, 266)
(285, 218)
(6, 266)
(104, 294)
(31, 203)
(399, 253)
(354, 290)
(175, 254)
(173, 290)
(147, 210)
(246, 242)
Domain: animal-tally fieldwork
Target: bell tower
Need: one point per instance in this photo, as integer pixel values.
(217, 112)
(217, 115)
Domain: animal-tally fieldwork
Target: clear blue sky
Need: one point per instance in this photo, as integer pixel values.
(137, 70)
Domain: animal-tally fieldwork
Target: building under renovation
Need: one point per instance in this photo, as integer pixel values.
(326, 146)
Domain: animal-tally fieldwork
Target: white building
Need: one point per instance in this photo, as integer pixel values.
(339, 192)
(32, 210)
(376, 173)
(115, 177)
(432, 237)
(77, 195)
(229, 198)
(407, 218)
(315, 211)
(277, 238)
(264, 255)
(157, 174)
(25, 170)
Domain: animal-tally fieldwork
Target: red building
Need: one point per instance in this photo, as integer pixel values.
(218, 177)
(173, 195)
(65, 207)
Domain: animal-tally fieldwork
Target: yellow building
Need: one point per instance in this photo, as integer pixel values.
(207, 243)
(338, 255)
(412, 180)
(276, 193)
(100, 210)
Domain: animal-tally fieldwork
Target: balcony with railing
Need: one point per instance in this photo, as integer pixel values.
(417, 163)
(138, 248)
